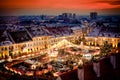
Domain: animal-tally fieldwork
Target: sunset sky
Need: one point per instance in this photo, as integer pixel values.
(36, 7)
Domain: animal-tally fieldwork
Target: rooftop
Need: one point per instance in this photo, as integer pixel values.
(49, 31)
(20, 36)
(4, 39)
(36, 31)
(59, 31)
(105, 32)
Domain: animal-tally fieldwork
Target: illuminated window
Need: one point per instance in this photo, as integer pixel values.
(2, 49)
(5, 48)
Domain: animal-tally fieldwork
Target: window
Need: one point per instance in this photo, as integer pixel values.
(5, 48)
(2, 49)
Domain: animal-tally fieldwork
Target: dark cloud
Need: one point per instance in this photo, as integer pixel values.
(9, 11)
(115, 2)
(115, 11)
(112, 2)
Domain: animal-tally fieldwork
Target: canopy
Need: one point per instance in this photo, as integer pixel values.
(63, 43)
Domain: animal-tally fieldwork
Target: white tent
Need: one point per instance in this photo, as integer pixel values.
(63, 43)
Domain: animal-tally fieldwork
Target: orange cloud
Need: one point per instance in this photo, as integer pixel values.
(85, 4)
(53, 5)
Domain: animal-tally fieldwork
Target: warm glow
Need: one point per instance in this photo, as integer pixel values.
(44, 6)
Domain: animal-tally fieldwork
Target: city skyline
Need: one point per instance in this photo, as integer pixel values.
(54, 7)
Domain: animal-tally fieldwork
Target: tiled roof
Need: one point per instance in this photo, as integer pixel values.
(20, 36)
(51, 31)
(105, 32)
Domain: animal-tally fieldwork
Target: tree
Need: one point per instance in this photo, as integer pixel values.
(105, 49)
(83, 40)
(79, 40)
(10, 54)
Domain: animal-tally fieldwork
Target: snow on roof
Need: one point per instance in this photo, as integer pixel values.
(76, 27)
(53, 31)
(5, 43)
(105, 32)
(94, 33)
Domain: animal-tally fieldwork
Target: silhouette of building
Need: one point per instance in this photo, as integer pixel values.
(93, 15)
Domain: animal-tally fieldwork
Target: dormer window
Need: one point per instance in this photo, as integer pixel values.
(102, 34)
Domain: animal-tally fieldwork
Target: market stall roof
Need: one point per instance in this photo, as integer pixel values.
(63, 43)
